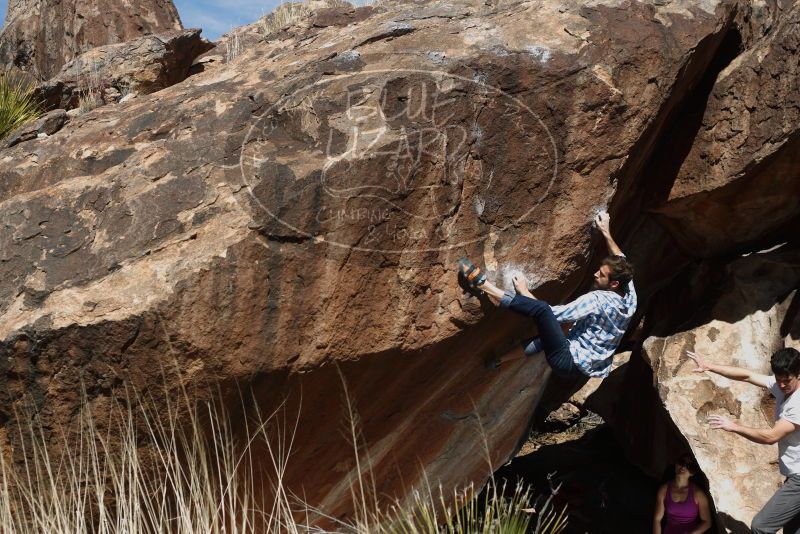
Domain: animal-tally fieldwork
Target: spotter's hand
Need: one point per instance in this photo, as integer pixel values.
(718, 422)
(702, 366)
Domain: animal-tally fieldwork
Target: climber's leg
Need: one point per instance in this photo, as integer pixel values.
(494, 293)
(532, 346)
(551, 337)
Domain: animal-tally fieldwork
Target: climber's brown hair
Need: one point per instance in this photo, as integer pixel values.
(621, 270)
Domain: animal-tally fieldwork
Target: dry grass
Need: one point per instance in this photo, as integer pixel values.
(92, 91)
(289, 13)
(197, 478)
(233, 47)
(282, 17)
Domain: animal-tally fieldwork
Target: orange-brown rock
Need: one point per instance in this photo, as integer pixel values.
(740, 179)
(301, 208)
(41, 36)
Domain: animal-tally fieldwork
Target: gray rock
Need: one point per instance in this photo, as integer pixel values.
(40, 36)
(44, 126)
(143, 65)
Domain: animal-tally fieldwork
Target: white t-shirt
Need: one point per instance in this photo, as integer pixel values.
(788, 447)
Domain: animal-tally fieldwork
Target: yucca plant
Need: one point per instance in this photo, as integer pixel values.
(494, 512)
(17, 104)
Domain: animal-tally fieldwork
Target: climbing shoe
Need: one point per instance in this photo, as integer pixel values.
(470, 273)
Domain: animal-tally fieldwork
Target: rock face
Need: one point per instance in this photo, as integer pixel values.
(741, 177)
(142, 65)
(289, 221)
(48, 124)
(41, 36)
(741, 327)
(735, 190)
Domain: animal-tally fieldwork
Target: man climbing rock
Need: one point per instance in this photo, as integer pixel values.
(600, 316)
(783, 509)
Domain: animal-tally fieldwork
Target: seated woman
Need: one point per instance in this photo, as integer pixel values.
(683, 503)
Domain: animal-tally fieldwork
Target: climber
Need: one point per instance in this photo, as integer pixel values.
(600, 316)
(783, 509)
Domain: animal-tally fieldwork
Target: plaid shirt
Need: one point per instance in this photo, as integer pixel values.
(600, 318)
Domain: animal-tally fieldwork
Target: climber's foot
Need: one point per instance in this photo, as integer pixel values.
(470, 273)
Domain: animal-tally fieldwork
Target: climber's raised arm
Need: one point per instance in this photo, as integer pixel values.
(603, 223)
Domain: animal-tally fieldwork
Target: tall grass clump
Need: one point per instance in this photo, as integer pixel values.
(17, 103)
(188, 478)
(495, 511)
(93, 90)
(282, 16)
(287, 13)
(139, 471)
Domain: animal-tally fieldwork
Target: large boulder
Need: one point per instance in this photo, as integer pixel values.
(288, 222)
(720, 160)
(741, 327)
(143, 65)
(740, 180)
(41, 36)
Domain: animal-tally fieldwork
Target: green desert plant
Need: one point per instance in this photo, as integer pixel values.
(494, 512)
(17, 104)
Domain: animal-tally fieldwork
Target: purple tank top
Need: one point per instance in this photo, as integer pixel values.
(681, 516)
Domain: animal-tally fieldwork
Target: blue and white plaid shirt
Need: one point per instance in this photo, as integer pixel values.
(600, 318)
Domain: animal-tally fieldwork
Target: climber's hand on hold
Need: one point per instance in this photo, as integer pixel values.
(521, 285)
(603, 222)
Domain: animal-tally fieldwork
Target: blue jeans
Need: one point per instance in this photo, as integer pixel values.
(551, 338)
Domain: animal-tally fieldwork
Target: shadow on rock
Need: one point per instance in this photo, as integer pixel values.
(603, 492)
(734, 526)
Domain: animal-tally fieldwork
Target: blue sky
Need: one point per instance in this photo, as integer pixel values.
(214, 16)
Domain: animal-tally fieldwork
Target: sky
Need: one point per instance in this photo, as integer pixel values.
(215, 17)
